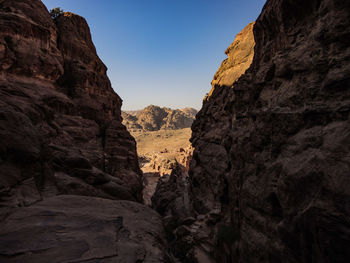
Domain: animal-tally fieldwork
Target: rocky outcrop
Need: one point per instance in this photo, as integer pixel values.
(154, 118)
(160, 165)
(190, 112)
(240, 56)
(272, 151)
(83, 229)
(168, 199)
(60, 124)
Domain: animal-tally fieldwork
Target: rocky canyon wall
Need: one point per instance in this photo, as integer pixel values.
(269, 178)
(65, 157)
(60, 125)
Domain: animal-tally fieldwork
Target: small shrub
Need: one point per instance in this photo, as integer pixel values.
(56, 12)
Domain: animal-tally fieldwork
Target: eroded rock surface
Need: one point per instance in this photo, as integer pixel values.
(65, 157)
(269, 178)
(239, 58)
(83, 229)
(172, 201)
(154, 118)
(159, 165)
(60, 120)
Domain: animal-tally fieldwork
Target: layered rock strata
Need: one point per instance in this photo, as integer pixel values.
(60, 125)
(269, 178)
(65, 157)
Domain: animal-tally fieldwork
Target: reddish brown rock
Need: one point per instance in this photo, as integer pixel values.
(61, 134)
(60, 120)
(23, 30)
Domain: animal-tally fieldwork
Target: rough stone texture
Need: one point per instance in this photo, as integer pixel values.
(83, 229)
(154, 118)
(169, 195)
(171, 200)
(64, 151)
(60, 120)
(239, 58)
(272, 152)
(159, 166)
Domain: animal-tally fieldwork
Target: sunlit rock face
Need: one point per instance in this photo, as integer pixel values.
(154, 118)
(239, 58)
(269, 177)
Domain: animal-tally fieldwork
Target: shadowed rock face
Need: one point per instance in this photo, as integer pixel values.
(271, 160)
(83, 229)
(60, 120)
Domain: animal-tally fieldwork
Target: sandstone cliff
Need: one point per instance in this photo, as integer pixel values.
(61, 133)
(61, 128)
(269, 178)
(154, 118)
(240, 56)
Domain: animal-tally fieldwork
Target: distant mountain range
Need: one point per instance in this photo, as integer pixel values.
(154, 118)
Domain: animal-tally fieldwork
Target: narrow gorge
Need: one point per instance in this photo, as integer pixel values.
(268, 179)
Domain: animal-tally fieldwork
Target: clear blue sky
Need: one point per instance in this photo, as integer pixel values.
(162, 52)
